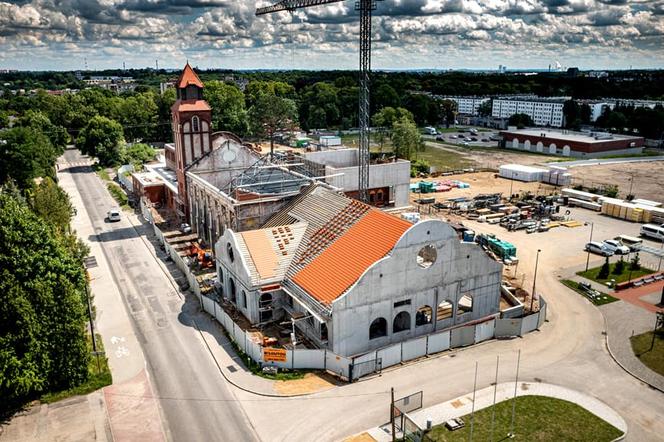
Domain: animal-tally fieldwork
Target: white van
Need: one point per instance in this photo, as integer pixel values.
(430, 130)
(653, 231)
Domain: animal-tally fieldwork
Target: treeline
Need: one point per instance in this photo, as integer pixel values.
(43, 315)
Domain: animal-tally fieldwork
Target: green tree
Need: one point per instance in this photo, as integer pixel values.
(635, 263)
(406, 138)
(520, 120)
(386, 96)
(257, 88)
(448, 111)
(619, 268)
(40, 121)
(271, 114)
(485, 109)
(102, 138)
(138, 154)
(25, 154)
(604, 270)
(228, 110)
(52, 204)
(138, 115)
(42, 315)
(319, 106)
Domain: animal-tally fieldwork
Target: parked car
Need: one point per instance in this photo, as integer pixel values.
(473, 139)
(598, 249)
(113, 215)
(485, 140)
(473, 131)
(453, 136)
(616, 247)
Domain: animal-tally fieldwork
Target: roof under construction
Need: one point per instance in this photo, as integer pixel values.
(263, 178)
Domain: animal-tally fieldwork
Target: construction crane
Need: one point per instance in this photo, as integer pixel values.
(365, 7)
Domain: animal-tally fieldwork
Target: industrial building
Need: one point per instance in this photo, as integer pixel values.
(543, 111)
(354, 278)
(570, 143)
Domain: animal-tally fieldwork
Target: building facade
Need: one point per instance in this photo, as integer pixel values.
(468, 105)
(354, 278)
(543, 111)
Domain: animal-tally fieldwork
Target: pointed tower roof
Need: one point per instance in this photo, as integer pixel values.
(187, 77)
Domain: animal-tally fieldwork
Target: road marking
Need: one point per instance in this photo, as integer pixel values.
(121, 351)
(116, 339)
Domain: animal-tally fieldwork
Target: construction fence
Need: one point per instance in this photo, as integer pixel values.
(445, 340)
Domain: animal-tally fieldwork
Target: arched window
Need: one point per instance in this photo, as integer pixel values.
(195, 124)
(266, 300)
(401, 322)
(465, 304)
(424, 315)
(244, 299)
(229, 250)
(445, 310)
(231, 292)
(378, 328)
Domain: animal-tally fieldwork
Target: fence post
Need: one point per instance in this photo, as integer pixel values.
(292, 358)
(325, 359)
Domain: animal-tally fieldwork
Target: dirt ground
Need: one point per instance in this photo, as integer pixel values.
(484, 182)
(648, 178)
(310, 383)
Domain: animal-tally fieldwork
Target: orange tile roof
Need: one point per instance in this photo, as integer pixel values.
(187, 77)
(190, 106)
(338, 267)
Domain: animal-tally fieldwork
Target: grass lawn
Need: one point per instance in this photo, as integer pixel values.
(101, 171)
(624, 276)
(604, 299)
(443, 159)
(118, 194)
(538, 418)
(98, 377)
(653, 359)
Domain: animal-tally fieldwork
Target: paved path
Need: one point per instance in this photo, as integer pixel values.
(624, 320)
(462, 405)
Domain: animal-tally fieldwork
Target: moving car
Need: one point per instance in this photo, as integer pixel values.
(598, 249)
(616, 247)
(113, 215)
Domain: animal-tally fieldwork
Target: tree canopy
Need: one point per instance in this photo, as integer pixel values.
(42, 315)
(270, 114)
(520, 120)
(406, 138)
(25, 154)
(228, 108)
(102, 138)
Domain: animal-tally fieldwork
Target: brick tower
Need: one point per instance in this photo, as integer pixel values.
(191, 118)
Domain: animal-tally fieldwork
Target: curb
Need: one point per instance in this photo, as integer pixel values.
(634, 375)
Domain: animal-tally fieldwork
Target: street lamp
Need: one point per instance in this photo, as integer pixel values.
(532, 295)
(592, 226)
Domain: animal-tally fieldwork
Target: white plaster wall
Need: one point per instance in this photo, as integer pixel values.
(459, 268)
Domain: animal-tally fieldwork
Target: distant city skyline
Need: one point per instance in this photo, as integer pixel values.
(408, 35)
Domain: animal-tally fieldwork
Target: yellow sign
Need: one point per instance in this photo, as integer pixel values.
(274, 354)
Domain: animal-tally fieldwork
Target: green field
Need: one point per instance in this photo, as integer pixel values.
(605, 299)
(443, 159)
(538, 418)
(653, 359)
(624, 276)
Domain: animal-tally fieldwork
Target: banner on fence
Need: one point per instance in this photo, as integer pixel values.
(274, 354)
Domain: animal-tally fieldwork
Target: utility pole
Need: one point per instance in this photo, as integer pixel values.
(516, 382)
(472, 411)
(394, 437)
(532, 295)
(495, 391)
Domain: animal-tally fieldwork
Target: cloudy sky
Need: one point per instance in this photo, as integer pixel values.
(407, 34)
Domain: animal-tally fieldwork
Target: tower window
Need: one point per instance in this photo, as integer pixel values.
(195, 123)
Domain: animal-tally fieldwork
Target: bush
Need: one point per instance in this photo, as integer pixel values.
(635, 263)
(619, 267)
(419, 166)
(118, 194)
(138, 154)
(604, 271)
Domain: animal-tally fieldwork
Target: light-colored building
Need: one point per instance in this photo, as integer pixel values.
(468, 105)
(598, 107)
(543, 111)
(355, 278)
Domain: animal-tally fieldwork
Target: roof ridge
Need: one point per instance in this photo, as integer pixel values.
(189, 76)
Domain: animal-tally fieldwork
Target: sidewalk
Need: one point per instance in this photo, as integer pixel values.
(622, 321)
(462, 406)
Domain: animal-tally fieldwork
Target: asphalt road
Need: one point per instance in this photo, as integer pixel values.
(193, 400)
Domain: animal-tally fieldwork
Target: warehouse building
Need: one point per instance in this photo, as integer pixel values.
(354, 278)
(543, 111)
(569, 143)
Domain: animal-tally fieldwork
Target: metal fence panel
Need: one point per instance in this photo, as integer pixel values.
(485, 330)
(337, 364)
(366, 368)
(508, 327)
(219, 314)
(529, 323)
(227, 321)
(306, 358)
(462, 336)
(439, 342)
(371, 356)
(415, 348)
(254, 350)
(409, 403)
(390, 355)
